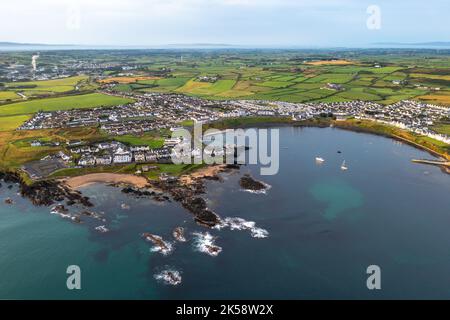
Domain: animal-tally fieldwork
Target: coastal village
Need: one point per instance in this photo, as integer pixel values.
(155, 111)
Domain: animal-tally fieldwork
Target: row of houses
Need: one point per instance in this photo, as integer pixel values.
(121, 154)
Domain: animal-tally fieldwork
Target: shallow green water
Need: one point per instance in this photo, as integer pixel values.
(325, 227)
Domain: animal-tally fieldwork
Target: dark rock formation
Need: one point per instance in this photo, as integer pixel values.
(248, 183)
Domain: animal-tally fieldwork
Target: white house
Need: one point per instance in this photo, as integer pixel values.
(139, 156)
(103, 160)
(139, 148)
(86, 161)
(121, 156)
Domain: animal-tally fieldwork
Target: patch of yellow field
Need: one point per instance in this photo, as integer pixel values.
(13, 122)
(8, 95)
(192, 85)
(242, 85)
(329, 62)
(126, 80)
(430, 76)
(436, 98)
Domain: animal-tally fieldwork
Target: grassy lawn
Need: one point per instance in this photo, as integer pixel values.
(245, 122)
(8, 95)
(72, 172)
(443, 128)
(13, 122)
(171, 169)
(64, 103)
(147, 139)
(15, 149)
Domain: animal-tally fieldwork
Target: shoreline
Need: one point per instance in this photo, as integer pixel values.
(208, 172)
(346, 125)
(115, 178)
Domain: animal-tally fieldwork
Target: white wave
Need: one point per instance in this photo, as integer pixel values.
(237, 223)
(169, 276)
(161, 246)
(102, 229)
(205, 242)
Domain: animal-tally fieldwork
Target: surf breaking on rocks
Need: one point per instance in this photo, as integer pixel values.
(242, 224)
(205, 242)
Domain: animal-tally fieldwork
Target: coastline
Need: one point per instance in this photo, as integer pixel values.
(362, 127)
(211, 171)
(208, 172)
(115, 178)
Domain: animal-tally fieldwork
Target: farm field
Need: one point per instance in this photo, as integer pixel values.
(46, 87)
(443, 128)
(8, 95)
(292, 76)
(127, 79)
(11, 123)
(285, 78)
(61, 103)
(15, 148)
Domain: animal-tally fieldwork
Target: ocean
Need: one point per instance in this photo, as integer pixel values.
(312, 235)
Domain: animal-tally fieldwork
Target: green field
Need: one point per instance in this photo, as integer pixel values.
(13, 122)
(63, 103)
(147, 139)
(46, 87)
(295, 81)
(8, 95)
(443, 128)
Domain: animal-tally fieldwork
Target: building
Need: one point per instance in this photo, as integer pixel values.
(139, 156)
(139, 148)
(103, 160)
(86, 161)
(121, 156)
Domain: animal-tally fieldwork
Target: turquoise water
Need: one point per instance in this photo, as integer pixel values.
(325, 227)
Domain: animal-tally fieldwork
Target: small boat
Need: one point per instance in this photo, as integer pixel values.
(344, 166)
(320, 160)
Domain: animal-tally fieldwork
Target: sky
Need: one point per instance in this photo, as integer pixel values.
(270, 23)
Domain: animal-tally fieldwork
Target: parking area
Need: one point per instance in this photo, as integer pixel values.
(43, 168)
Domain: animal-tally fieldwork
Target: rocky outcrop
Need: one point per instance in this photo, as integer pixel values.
(46, 193)
(248, 183)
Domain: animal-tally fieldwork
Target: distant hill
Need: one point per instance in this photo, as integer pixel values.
(202, 45)
(18, 44)
(424, 44)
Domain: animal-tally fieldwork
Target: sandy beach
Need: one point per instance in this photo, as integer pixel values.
(76, 182)
(208, 171)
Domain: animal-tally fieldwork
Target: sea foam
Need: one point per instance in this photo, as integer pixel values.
(205, 242)
(242, 224)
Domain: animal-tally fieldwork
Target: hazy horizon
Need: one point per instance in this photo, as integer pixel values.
(248, 23)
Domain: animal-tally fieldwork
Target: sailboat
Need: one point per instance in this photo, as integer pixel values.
(344, 166)
(319, 160)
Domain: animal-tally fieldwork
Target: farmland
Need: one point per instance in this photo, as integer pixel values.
(297, 77)
(30, 89)
(61, 103)
(282, 75)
